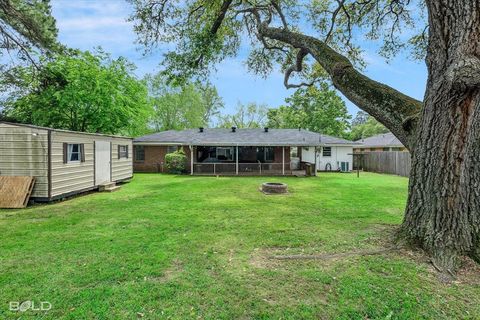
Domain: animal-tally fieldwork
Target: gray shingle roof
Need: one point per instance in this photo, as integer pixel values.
(242, 137)
(380, 140)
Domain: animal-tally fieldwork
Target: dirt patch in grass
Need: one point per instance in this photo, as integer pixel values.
(169, 274)
(380, 241)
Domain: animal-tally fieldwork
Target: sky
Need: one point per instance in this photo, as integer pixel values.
(86, 24)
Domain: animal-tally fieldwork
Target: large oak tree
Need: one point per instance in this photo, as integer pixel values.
(442, 132)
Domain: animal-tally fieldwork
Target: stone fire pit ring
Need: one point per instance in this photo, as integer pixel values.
(274, 188)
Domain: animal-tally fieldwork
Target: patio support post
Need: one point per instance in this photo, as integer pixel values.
(236, 160)
(191, 160)
(283, 160)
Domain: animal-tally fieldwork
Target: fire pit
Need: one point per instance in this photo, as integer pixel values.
(274, 188)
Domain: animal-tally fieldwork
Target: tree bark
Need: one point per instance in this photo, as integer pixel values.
(443, 210)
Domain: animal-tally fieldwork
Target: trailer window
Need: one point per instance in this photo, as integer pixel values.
(74, 152)
(122, 151)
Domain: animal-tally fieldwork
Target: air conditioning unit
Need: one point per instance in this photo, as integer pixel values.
(344, 166)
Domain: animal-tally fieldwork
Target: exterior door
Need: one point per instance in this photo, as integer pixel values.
(102, 162)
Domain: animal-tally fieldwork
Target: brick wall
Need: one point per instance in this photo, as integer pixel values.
(155, 159)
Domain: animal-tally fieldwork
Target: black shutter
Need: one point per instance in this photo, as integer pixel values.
(82, 152)
(127, 150)
(65, 152)
(118, 151)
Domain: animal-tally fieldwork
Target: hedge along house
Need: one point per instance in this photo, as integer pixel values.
(241, 151)
(63, 162)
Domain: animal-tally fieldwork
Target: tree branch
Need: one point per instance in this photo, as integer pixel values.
(394, 109)
(297, 67)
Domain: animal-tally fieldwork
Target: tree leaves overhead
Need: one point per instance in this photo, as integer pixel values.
(25, 25)
(205, 32)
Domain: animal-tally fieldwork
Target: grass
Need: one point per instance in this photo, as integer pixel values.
(198, 247)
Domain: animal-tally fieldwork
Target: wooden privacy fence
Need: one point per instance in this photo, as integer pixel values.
(392, 162)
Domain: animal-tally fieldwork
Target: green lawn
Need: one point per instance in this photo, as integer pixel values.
(200, 247)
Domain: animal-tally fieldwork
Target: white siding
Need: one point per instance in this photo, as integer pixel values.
(24, 152)
(339, 154)
(76, 176)
(122, 168)
(70, 177)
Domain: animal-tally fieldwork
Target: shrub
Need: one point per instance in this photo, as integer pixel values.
(175, 161)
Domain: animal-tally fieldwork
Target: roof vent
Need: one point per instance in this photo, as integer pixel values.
(200, 129)
(266, 129)
(234, 129)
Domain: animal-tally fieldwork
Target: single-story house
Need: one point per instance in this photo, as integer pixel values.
(63, 162)
(380, 142)
(244, 151)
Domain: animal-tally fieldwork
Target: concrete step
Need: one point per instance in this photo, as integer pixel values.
(106, 185)
(112, 189)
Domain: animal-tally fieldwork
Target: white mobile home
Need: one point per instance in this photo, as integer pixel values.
(63, 162)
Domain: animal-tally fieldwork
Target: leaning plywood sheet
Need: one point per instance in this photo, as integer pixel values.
(15, 191)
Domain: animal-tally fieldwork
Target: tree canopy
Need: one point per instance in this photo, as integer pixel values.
(26, 25)
(316, 108)
(251, 115)
(82, 92)
(181, 106)
(364, 126)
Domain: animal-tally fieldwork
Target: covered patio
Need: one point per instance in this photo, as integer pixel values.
(240, 160)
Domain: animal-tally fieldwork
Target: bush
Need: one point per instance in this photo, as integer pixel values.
(175, 161)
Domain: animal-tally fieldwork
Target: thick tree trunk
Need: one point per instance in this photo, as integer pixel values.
(443, 211)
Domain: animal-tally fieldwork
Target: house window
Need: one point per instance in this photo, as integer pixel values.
(327, 151)
(172, 149)
(122, 151)
(386, 149)
(74, 153)
(139, 153)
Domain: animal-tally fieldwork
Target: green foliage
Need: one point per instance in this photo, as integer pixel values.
(316, 108)
(206, 32)
(364, 126)
(82, 92)
(175, 161)
(251, 115)
(181, 106)
(25, 25)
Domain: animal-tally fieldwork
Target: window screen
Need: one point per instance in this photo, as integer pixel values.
(139, 153)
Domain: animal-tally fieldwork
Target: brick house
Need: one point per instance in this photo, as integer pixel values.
(241, 151)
